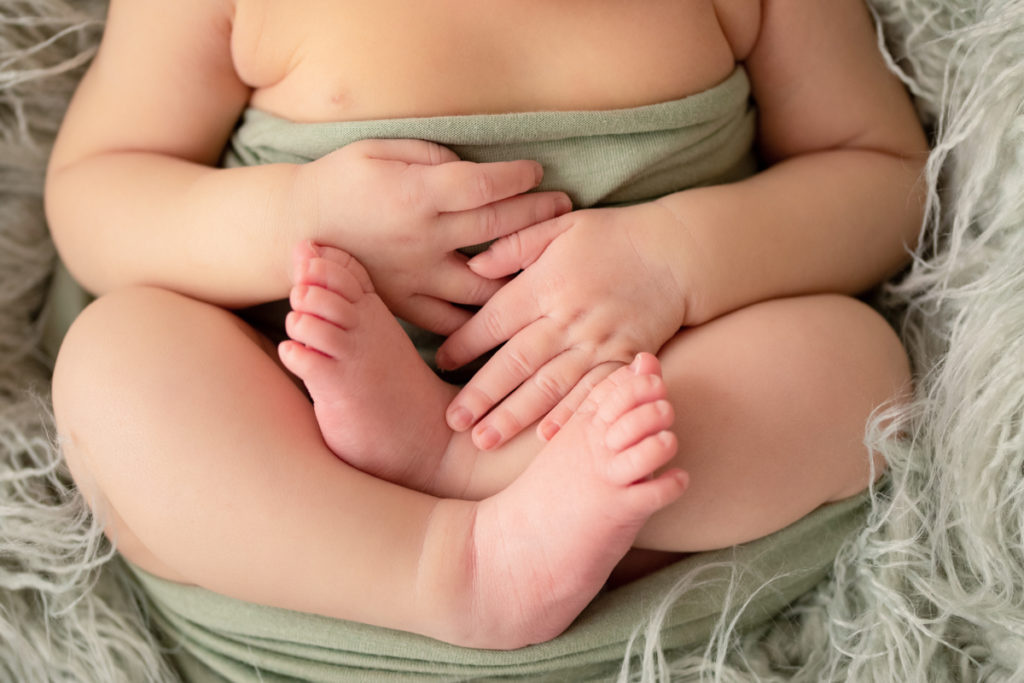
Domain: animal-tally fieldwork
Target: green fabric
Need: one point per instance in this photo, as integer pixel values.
(598, 158)
(213, 637)
(64, 301)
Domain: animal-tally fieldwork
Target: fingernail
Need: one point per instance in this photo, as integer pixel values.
(538, 173)
(548, 430)
(635, 365)
(460, 419)
(477, 261)
(487, 437)
(563, 205)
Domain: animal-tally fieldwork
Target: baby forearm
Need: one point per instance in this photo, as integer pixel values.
(132, 218)
(832, 221)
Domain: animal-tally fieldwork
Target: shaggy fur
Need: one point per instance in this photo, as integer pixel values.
(932, 590)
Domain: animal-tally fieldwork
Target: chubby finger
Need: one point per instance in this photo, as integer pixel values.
(515, 362)
(511, 309)
(452, 281)
(531, 400)
(419, 152)
(567, 407)
(517, 250)
(481, 225)
(434, 315)
(464, 185)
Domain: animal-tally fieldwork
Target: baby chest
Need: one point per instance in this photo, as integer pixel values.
(322, 60)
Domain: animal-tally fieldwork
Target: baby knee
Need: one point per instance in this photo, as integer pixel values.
(870, 375)
(871, 348)
(100, 341)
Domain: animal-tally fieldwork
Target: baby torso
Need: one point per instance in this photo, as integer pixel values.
(620, 101)
(333, 60)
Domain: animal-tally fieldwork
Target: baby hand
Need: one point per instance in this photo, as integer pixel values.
(596, 289)
(404, 207)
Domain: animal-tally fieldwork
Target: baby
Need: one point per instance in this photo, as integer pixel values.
(695, 336)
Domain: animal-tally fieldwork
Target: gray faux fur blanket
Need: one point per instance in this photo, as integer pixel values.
(932, 590)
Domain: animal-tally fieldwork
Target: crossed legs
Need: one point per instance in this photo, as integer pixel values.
(208, 465)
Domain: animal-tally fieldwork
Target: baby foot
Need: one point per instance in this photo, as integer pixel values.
(379, 407)
(547, 543)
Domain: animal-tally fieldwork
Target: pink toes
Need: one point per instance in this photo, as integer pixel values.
(645, 366)
(325, 304)
(303, 361)
(636, 424)
(631, 406)
(639, 461)
(647, 497)
(327, 284)
(316, 333)
(331, 269)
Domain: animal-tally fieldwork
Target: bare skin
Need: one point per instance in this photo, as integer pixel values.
(770, 368)
(511, 570)
(362, 373)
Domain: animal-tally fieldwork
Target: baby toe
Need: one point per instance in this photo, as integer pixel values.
(634, 390)
(302, 361)
(345, 261)
(316, 333)
(325, 304)
(639, 461)
(639, 423)
(647, 497)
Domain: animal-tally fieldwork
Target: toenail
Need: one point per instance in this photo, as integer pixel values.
(460, 419)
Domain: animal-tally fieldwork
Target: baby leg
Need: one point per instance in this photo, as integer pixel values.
(206, 463)
(772, 403)
(208, 466)
(579, 505)
(366, 378)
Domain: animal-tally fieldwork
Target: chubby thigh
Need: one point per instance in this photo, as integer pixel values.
(771, 403)
(205, 462)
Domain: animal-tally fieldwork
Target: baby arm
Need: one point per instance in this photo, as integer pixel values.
(840, 206)
(837, 210)
(133, 197)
